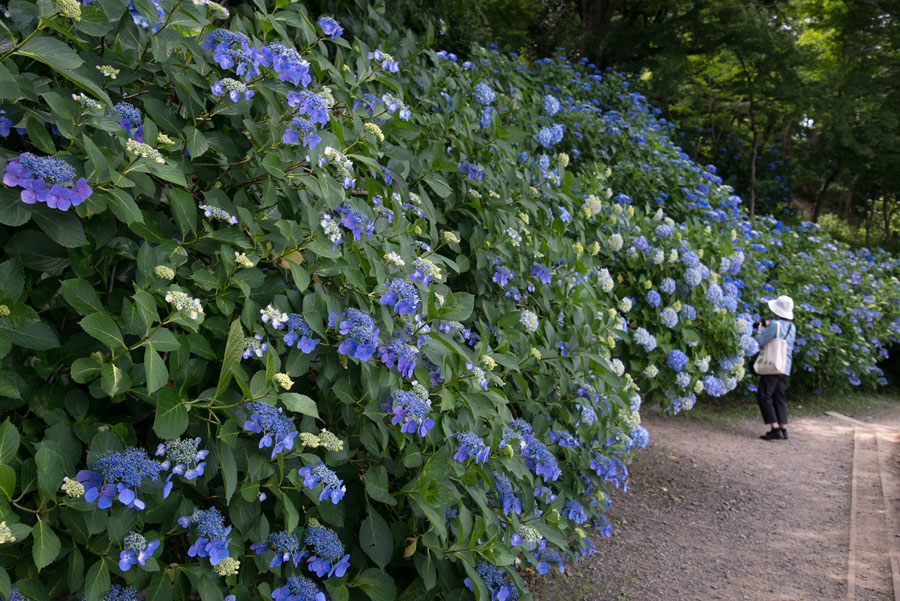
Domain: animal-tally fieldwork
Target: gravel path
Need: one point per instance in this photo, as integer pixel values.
(716, 513)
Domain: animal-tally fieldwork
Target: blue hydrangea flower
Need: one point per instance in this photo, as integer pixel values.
(327, 552)
(183, 457)
(645, 339)
(410, 410)
(333, 487)
(505, 495)
(285, 61)
(544, 557)
(15, 595)
(639, 436)
(46, 180)
(309, 104)
(401, 296)
(478, 374)
(502, 275)
(285, 546)
(301, 126)
(653, 298)
(387, 61)
(213, 541)
(115, 593)
(667, 286)
(573, 510)
(254, 345)
(539, 459)
(693, 277)
(425, 271)
(690, 259)
(713, 386)
(563, 438)
(5, 125)
(676, 360)
(497, 582)
(550, 105)
(472, 170)
(298, 588)
(483, 93)
(714, 295)
(277, 429)
(668, 317)
(296, 324)
(233, 87)
(114, 475)
(135, 551)
(542, 273)
(362, 335)
(356, 222)
(471, 445)
(330, 27)
(130, 120)
(688, 313)
(400, 353)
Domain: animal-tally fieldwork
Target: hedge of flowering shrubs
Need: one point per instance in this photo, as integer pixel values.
(291, 314)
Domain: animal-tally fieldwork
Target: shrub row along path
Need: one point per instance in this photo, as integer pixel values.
(713, 512)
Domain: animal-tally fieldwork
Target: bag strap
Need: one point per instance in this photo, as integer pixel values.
(777, 328)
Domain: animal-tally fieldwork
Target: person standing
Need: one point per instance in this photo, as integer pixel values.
(771, 390)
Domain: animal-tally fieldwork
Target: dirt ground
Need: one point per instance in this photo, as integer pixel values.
(712, 512)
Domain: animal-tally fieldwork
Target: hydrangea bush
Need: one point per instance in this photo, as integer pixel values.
(295, 314)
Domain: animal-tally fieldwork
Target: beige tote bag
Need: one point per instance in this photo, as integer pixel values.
(772, 359)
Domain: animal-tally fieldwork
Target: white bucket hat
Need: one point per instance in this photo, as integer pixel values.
(783, 306)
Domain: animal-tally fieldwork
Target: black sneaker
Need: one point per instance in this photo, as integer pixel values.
(784, 433)
(773, 434)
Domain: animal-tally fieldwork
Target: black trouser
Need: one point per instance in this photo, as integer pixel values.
(771, 399)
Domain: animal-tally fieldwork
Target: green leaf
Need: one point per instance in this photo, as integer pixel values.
(229, 469)
(184, 209)
(7, 482)
(234, 349)
(376, 540)
(84, 369)
(155, 368)
(75, 569)
(82, 296)
(167, 172)
(171, 416)
(104, 328)
(457, 307)
(46, 544)
(13, 211)
(96, 582)
(439, 186)
(52, 53)
(39, 136)
(377, 585)
(123, 206)
(113, 380)
(376, 481)
(36, 336)
(434, 516)
(160, 588)
(12, 279)
(62, 226)
(9, 442)
(8, 387)
(50, 471)
(299, 403)
(195, 142)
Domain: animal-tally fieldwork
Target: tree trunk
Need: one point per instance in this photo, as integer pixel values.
(821, 194)
(755, 148)
(595, 16)
(849, 201)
